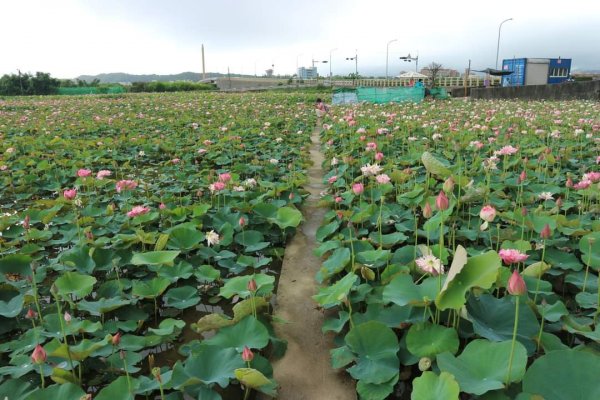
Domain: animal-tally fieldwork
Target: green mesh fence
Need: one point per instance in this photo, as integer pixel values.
(439, 93)
(388, 95)
(90, 90)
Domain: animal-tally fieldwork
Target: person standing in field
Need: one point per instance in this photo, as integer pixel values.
(321, 108)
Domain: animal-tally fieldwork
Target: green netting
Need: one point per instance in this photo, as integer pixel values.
(90, 90)
(345, 96)
(439, 93)
(387, 95)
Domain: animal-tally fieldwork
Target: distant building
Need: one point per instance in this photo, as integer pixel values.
(536, 71)
(307, 73)
(442, 72)
(269, 72)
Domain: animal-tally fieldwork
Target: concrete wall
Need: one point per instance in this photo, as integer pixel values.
(561, 91)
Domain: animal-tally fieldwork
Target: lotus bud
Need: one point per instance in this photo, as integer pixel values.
(523, 211)
(116, 339)
(441, 201)
(522, 176)
(569, 183)
(546, 232)
(122, 354)
(448, 186)
(487, 213)
(39, 355)
(26, 222)
(242, 222)
(427, 211)
(516, 285)
(67, 317)
(559, 202)
(252, 285)
(31, 314)
(247, 354)
(156, 373)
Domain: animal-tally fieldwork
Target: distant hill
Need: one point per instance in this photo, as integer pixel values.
(121, 77)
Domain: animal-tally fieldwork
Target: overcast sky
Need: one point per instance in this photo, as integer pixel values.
(72, 37)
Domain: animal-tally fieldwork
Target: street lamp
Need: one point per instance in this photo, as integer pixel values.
(408, 58)
(313, 65)
(355, 58)
(330, 74)
(498, 45)
(387, 53)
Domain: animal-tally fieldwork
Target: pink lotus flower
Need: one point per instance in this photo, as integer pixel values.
(103, 174)
(427, 211)
(70, 194)
(487, 213)
(582, 185)
(358, 188)
(591, 176)
(125, 185)
(332, 179)
(512, 256)
(242, 222)
(430, 264)
(361, 131)
(379, 156)
(371, 146)
(516, 285)
(175, 161)
(137, 211)
(247, 354)
(84, 173)
(39, 355)
(216, 187)
(225, 177)
(162, 206)
(338, 199)
(383, 178)
(507, 150)
(67, 317)
(441, 201)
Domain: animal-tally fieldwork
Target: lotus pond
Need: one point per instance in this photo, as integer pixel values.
(142, 235)
(462, 249)
(140, 243)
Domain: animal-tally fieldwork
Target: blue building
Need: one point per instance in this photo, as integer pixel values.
(536, 71)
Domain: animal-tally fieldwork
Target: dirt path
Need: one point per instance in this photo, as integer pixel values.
(305, 372)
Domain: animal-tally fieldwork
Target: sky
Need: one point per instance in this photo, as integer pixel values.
(68, 38)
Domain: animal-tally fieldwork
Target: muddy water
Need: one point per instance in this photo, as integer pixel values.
(305, 371)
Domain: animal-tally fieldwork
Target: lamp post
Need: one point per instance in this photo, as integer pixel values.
(387, 58)
(313, 66)
(355, 58)
(330, 74)
(498, 45)
(408, 58)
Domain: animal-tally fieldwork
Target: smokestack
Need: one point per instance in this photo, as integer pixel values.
(203, 69)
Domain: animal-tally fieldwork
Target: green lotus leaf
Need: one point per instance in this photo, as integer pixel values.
(479, 271)
(102, 306)
(121, 388)
(184, 238)
(251, 377)
(246, 307)
(376, 347)
(563, 375)
(206, 273)
(213, 364)
(247, 332)
(483, 365)
(165, 257)
(334, 264)
(327, 230)
(65, 391)
(79, 352)
(15, 389)
(494, 319)
(12, 307)
(74, 283)
(434, 166)
(210, 322)
(182, 297)
(341, 357)
(430, 386)
(333, 295)
(239, 286)
(79, 258)
(374, 258)
(168, 327)
(428, 340)
(150, 289)
(16, 264)
(590, 247)
(403, 291)
(286, 217)
(376, 391)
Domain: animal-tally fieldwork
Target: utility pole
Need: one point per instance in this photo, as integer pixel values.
(203, 66)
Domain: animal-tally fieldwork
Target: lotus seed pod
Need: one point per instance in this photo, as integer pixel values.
(424, 364)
